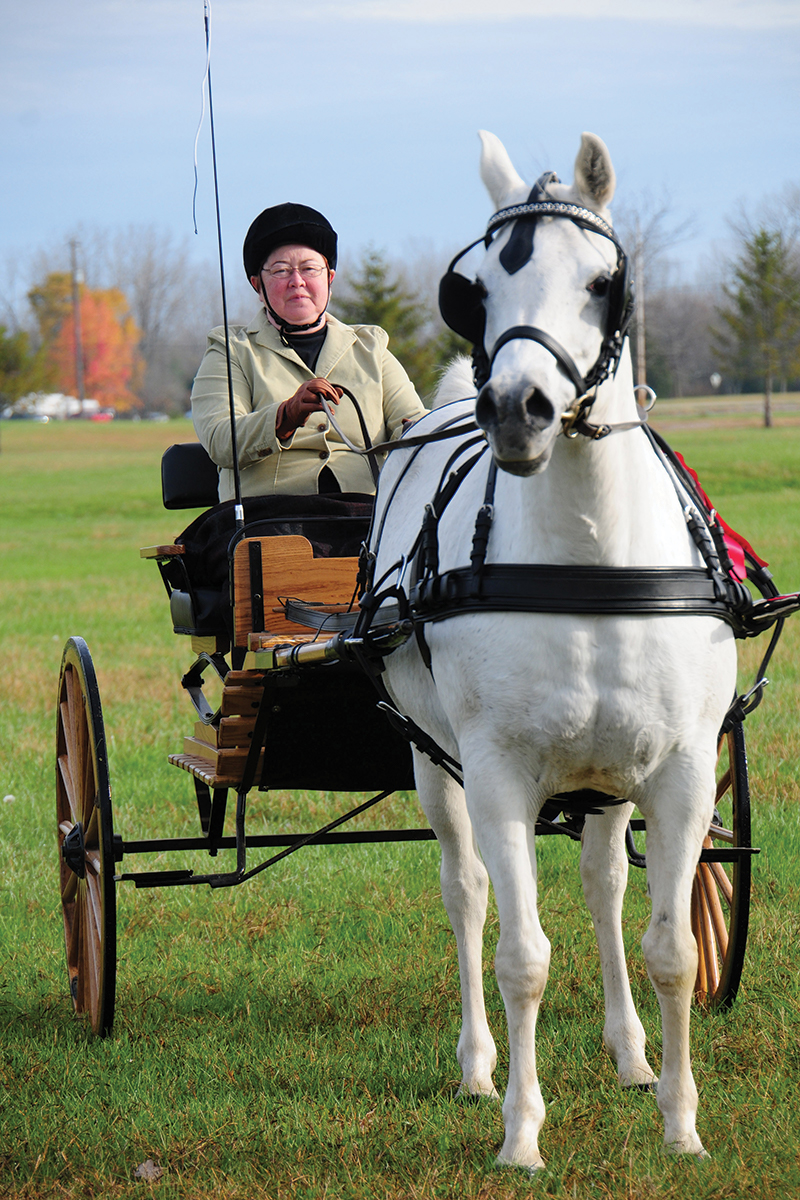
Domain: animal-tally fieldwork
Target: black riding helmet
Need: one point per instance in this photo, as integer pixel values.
(287, 225)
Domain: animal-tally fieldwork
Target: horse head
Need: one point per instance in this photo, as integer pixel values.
(549, 307)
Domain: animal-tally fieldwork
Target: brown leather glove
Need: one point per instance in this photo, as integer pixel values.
(295, 411)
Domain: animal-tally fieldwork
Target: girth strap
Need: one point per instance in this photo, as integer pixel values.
(538, 587)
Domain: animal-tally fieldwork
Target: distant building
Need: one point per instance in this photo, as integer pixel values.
(59, 407)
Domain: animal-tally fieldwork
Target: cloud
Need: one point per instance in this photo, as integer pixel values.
(725, 14)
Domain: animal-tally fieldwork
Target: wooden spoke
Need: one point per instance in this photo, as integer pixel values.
(84, 816)
(69, 888)
(723, 882)
(710, 951)
(91, 830)
(714, 908)
(701, 986)
(723, 784)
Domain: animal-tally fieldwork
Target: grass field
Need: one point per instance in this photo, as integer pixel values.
(296, 1036)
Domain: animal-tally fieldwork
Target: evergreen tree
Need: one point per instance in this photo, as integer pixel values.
(377, 295)
(760, 332)
(21, 369)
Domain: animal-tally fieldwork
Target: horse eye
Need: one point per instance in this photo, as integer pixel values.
(599, 286)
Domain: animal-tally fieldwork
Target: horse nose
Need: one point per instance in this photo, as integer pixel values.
(536, 410)
(486, 413)
(539, 409)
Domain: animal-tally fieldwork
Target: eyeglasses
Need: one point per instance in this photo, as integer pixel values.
(305, 270)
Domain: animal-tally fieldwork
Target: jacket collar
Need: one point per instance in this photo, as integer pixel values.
(338, 341)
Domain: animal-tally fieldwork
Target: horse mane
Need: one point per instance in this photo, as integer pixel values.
(455, 382)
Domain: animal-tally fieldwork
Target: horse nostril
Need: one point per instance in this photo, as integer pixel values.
(539, 407)
(486, 409)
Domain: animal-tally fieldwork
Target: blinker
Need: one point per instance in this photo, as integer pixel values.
(461, 300)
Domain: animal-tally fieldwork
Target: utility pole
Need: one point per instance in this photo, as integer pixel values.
(77, 280)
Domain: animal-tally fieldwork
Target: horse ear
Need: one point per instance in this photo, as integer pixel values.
(497, 170)
(594, 175)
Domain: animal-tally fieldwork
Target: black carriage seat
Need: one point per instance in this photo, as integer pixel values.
(312, 553)
(196, 569)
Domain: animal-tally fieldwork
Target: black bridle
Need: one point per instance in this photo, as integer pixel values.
(462, 300)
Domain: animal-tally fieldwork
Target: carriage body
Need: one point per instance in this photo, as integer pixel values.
(360, 752)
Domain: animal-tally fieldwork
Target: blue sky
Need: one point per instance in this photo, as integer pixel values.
(369, 109)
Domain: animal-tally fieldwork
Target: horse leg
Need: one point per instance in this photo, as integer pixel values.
(673, 848)
(604, 872)
(506, 837)
(465, 890)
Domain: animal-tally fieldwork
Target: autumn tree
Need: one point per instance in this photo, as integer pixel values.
(173, 300)
(109, 341)
(760, 316)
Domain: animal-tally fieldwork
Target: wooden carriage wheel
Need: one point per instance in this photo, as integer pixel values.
(721, 891)
(85, 839)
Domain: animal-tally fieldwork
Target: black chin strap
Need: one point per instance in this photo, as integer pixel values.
(283, 326)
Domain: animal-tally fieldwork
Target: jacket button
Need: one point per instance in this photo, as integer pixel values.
(321, 428)
(324, 453)
(265, 453)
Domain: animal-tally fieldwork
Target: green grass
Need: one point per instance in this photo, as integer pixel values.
(296, 1036)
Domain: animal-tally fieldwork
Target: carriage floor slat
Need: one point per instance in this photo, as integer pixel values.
(205, 770)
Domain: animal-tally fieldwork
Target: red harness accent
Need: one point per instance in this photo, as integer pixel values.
(735, 543)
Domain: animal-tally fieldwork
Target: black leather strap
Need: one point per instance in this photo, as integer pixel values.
(534, 587)
(516, 332)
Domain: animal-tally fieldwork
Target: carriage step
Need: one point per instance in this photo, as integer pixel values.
(205, 770)
(227, 763)
(146, 879)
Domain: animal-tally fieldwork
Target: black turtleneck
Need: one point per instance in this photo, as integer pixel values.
(308, 345)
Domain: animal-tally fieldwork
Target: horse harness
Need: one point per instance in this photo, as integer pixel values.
(712, 590)
(462, 301)
(434, 596)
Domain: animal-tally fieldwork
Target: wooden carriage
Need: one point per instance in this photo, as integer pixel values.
(269, 610)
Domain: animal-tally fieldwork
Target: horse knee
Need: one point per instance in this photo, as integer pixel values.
(603, 878)
(522, 968)
(671, 956)
(465, 886)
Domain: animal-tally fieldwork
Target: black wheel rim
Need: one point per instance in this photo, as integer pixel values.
(84, 818)
(721, 891)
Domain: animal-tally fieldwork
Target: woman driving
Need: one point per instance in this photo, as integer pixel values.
(291, 355)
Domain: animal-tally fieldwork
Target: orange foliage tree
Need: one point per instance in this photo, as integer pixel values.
(112, 364)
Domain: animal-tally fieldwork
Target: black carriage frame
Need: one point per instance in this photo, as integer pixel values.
(316, 673)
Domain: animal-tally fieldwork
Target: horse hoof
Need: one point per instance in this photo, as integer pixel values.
(468, 1097)
(530, 1169)
(676, 1148)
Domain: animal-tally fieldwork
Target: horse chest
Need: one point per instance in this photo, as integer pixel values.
(592, 702)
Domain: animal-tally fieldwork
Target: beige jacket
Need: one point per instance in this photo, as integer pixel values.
(265, 373)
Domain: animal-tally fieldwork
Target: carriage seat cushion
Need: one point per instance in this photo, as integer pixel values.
(334, 525)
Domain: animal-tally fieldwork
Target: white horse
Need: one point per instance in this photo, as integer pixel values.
(538, 703)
